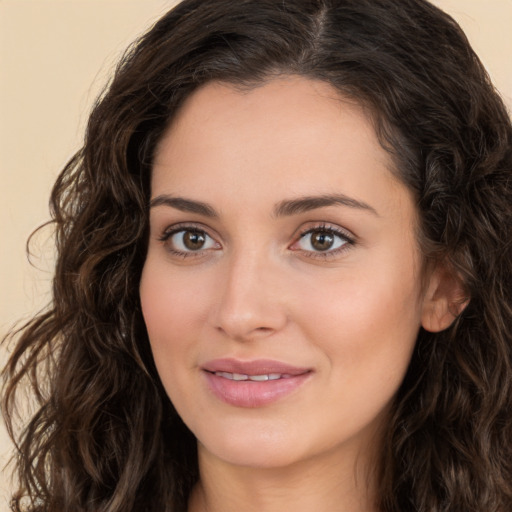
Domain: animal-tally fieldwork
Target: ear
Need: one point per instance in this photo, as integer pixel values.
(444, 300)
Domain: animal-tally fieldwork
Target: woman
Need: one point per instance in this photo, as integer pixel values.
(284, 273)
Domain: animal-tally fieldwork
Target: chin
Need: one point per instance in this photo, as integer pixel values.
(254, 445)
(258, 456)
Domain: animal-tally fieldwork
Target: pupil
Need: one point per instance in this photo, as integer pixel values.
(322, 240)
(193, 240)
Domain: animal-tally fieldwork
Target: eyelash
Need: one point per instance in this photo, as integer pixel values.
(345, 236)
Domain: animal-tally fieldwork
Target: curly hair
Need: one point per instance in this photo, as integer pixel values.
(104, 435)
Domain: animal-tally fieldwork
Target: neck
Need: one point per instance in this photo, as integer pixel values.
(321, 484)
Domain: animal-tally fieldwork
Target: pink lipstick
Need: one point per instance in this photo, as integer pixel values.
(253, 383)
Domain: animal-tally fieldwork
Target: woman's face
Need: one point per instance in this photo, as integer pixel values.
(282, 289)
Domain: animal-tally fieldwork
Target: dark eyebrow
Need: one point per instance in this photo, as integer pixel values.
(284, 208)
(185, 205)
(304, 204)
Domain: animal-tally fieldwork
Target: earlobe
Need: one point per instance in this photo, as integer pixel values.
(444, 300)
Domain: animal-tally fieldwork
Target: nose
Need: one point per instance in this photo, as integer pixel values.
(251, 301)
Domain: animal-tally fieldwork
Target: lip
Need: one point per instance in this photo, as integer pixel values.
(250, 394)
(254, 367)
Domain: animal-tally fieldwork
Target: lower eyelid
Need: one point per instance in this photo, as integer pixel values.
(327, 254)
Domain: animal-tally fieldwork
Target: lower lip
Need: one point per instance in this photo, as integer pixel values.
(247, 393)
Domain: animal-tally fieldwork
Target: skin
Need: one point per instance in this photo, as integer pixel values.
(258, 288)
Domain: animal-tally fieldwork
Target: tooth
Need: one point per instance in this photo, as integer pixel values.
(258, 378)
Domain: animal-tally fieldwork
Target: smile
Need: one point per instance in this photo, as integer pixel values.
(256, 383)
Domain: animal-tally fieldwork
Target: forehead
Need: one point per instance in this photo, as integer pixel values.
(291, 135)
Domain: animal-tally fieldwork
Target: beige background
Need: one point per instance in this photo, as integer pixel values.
(54, 57)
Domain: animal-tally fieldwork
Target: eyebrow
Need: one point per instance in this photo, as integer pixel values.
(304, 204)
(282, 209)
(184, 205)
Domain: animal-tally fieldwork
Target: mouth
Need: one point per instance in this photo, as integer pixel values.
(253, 383)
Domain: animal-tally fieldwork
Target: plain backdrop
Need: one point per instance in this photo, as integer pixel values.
(55, 55)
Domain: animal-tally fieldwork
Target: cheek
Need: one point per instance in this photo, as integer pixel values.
(170, 303)
(171, 309)
(367, 335)
(367, 324)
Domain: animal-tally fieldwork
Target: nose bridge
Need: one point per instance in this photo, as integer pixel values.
(249, 300)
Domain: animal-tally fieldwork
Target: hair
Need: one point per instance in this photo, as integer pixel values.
(104, 436)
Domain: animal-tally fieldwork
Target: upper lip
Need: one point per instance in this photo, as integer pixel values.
(254, 367)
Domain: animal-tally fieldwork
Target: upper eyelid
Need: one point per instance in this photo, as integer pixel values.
(184, 226)
(328, 226)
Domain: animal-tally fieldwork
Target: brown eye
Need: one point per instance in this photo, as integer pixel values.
(194, 240)
(322, 240)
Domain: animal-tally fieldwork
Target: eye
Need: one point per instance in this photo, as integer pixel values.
(183, 241)
(322, 239)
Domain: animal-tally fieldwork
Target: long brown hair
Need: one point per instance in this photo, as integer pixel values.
(104, 436)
